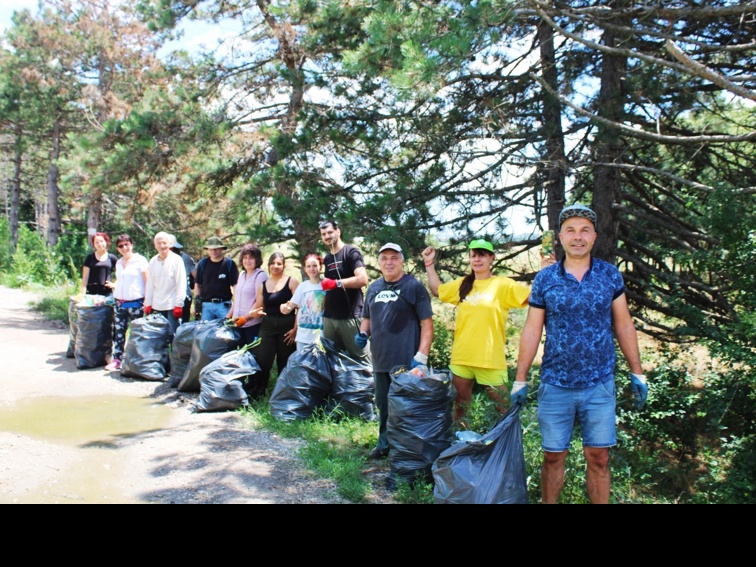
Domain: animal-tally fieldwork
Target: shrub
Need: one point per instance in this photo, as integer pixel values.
(443, 337)
(34, 262)
(5, 247)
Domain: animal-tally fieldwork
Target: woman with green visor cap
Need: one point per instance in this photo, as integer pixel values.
(483, 301)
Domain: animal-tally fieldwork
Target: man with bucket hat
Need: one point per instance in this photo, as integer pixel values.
(398, 319)
(214, 281)
(581, 303)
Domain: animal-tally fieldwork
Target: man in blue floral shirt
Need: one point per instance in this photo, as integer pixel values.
(581, 303)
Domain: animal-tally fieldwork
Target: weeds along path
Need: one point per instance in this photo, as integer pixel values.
(187, 458)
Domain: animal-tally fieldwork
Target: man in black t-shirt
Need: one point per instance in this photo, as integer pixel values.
(215, 281)
(345, 276)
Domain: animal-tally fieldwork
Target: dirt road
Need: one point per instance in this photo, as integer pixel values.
(52, 449)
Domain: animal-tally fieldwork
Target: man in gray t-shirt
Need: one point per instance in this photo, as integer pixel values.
(398, 317)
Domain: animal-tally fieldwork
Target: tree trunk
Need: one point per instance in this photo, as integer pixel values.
(53, 174)
(555, 161)
(15, 190)
(609, 148)
(292, 58)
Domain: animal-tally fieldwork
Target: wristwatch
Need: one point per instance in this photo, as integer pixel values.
(339, 284)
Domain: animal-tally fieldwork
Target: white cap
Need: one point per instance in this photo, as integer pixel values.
(391, 246)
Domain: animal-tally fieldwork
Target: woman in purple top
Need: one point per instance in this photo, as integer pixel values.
(251, 276)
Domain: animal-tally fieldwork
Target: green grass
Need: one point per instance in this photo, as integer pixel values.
(336, 447)
(53, 308)
(54, 303)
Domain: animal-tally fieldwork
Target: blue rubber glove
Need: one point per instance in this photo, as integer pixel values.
(639, 389)
(361, 339)
(420, 359)
(519, 394)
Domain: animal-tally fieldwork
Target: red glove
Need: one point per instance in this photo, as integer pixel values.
(147, 309)
(328, 284)
(178, 312)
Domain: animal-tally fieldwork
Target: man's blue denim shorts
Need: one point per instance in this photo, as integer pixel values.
(594, 408)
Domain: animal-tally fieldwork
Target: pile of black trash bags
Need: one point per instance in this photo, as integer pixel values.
(203, 357)
(488, 469)
(206, 358)
(321, 377)
(478, 469)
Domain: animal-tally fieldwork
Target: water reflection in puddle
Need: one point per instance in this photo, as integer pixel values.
(89, 430)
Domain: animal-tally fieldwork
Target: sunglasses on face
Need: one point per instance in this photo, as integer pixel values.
(123, 244)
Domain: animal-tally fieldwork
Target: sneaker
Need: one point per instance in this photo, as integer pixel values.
(113, 366)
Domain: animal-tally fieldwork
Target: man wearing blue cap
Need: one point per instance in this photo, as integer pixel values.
(398, 319)
(581, 302)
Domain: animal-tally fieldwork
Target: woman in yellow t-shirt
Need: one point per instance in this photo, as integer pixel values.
(483, 302)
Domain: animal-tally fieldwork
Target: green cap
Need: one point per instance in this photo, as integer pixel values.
(481, 245)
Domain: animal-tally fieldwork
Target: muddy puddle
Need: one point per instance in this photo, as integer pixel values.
(92, 431)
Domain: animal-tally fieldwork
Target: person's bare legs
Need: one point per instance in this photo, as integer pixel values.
(463, 400)
(552, 476)
(598, 476)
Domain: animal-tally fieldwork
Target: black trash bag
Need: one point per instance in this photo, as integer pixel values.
(420, 422)
(181, 351)
(490, 470)
(73, 328)
(303, 386)
(94, 335)
(146, 353)
(212, 339)
(221, 387)
(352, 387)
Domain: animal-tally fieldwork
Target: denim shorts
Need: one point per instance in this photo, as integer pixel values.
(594, 408)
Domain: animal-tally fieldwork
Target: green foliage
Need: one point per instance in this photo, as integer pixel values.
(443, 338)
(54, 305)
(72, 249)
(730, 477)
(418, 492)
(5, 245)
(418, 43)
(34, 262)
(694, 441)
